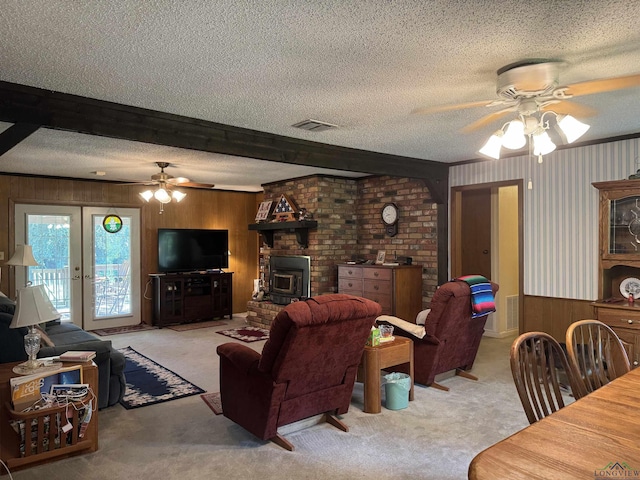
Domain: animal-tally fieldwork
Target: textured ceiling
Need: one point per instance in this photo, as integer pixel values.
(265, 65)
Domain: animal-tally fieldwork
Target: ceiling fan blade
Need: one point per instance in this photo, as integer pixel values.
(570, 108)
(448, 108)
(487, 119)
(207, 186)
(604, 85)
(138, 183)
(177, 181)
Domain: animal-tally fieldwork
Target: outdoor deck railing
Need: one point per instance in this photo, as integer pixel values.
(111, 284)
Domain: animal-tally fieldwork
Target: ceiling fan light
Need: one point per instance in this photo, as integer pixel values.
(493, 145)
(178, 196)
(542, 144)
(514, 138)
(162, 196)
(573, 129)
(147, 195)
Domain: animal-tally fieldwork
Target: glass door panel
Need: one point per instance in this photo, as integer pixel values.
(112, 287)
(54, 235)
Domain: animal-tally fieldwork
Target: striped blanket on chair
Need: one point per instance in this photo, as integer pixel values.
(482, 301)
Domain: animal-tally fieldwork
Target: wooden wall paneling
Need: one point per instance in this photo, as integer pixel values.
(229, 210)
(554, 315)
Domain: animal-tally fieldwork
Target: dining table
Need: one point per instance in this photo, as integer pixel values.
(597, 436)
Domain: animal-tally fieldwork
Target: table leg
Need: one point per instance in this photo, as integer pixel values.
(411, 369)
(372, 400)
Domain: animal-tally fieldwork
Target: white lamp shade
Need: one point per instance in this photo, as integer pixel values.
(542, 144)
(573, 129)
(147, 195)
(493, 146)
(23, 256)
(33, 307)
(162, 196)
(514, 136)
(178, 196)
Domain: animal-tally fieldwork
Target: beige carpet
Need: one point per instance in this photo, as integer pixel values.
(436, 437)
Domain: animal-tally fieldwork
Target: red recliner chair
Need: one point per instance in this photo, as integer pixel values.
(450, 338)
(307, 367)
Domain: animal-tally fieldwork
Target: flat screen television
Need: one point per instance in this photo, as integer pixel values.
(190, 250)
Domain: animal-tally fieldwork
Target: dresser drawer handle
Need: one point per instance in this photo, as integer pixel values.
(350, 272)
(627, 320)
(375, 274)
(376, 287)
(635, 364)
(350, 284)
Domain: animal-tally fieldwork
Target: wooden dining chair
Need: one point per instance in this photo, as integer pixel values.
(596, 354)
(537, 363)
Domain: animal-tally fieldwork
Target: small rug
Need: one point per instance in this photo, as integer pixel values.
(149, 383)
(213, 401)
(116, 330)
(246, 334)
(185, 327)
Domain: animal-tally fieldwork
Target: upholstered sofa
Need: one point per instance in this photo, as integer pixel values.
(307, 367)
(66, 336)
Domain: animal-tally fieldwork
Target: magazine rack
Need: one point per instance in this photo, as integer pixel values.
(36, 437)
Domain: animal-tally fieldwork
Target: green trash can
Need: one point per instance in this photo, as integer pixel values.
(396, 389)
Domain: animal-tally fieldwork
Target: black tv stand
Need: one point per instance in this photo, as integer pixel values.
(189, 297)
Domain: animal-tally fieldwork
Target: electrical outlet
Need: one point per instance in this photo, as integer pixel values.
(1, 255)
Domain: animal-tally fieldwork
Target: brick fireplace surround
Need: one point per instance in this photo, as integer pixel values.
(349, 226)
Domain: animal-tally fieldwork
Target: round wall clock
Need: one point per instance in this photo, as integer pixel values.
(390, 219)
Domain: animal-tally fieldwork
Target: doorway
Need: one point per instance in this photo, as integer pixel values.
(487, 239)
(91, 276)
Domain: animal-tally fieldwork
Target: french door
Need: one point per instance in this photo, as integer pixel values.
(91, 276)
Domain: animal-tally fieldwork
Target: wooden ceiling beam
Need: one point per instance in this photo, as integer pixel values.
(26, 105)
(14, 135)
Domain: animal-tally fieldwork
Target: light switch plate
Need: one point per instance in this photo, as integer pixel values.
(1, 255)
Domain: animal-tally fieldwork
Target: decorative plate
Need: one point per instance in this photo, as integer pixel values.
(630, 285)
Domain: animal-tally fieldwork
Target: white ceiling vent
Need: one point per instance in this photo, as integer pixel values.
(314, 125)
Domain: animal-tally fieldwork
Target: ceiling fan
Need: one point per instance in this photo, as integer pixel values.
(165, 193)
(528, 90)
(164, 179)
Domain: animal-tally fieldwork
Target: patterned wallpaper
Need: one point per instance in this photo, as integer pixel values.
(560, 212)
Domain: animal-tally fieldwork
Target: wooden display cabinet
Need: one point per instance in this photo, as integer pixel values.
(619, 262)
(188, 297)
(13, 450)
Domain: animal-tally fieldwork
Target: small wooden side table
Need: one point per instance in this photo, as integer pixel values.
(375, 359)
(10, 440)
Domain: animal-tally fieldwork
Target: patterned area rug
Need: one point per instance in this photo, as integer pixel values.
(149, 383)
(116, 330)
(213, 401)
(185, 327)
(246, 334)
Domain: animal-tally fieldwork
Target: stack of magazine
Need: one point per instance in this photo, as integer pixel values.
(63, 384)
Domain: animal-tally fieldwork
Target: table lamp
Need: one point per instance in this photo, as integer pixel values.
(32, 308)
(23, 257)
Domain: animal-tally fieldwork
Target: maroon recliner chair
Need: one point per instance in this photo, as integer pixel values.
(307, 367)
(450, 338)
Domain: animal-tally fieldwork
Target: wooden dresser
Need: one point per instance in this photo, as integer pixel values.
(398, 289)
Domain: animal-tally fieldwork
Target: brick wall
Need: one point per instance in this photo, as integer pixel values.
(350, 226)
(417, 225)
